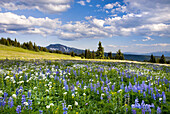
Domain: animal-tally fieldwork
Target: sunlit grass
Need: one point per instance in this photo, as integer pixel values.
(11, 52)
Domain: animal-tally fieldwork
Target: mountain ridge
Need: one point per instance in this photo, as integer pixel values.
(127, 55)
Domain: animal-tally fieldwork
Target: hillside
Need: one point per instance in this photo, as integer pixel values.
(64, 48)
(11, 52)
(134, 57)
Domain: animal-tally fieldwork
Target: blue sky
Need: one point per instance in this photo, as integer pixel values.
(139, 26)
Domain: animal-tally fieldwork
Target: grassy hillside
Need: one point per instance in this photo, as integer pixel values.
(11, 52)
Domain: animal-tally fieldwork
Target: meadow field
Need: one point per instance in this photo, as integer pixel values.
(81, 87)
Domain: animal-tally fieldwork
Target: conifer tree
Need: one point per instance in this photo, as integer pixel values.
(162, 59)
(100, 51)
(72, 54)
(93, 54)
(15, 43)
(110, 55)
(30, 46)
(119, 55)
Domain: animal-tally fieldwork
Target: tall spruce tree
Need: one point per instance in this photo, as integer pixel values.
(15, 43)
(110, 55)
(119, 55)
(153, 60)
(30, 46)
(93, 54)
(100, 51)
(162, 59)
(35, 47)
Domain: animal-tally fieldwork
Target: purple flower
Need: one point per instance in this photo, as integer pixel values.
(29, 94)
(143, 111)
(97, 91)
(40, 112)
(133, 111)
(158, 110)
(18, 110)
(2, 102)
(126, 89)
(5, 95)
(154, 97)
(23, 99)
(10, 102)
(29, 104)
(113, 86)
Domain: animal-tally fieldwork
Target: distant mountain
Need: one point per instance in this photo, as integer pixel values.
(127, 55)
(64, 48)
(159, 53)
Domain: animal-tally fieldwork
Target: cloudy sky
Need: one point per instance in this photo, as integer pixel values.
(138, 26)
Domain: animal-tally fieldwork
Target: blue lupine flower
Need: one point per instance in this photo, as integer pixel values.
(134, 79)
(133, 111)
(65, 110)
(144, 94)
(29, 94)
(164, 97)
(158, 110)
(122, 86)
(23, 99)
(18, 110)
(10, 102)
(126, 89)
(40, 112)
(29, 104)
(113, 86)
(97, 91)
(5, 95)
(154, 97)
(143, 111)
(2, 101)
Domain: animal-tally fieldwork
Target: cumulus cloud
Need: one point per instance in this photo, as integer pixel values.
(48, 6)
(88, 1)
(115, 46)
(147, 38)
(109, 6)
(81, 3)
(159, 44)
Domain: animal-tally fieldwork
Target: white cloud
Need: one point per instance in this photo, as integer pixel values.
(98, 5)
(108, 6)
(147, 38)
(48, 6)
(149, 45)
(88, 1)
(98, 22)
(115, 46)
(81, 3)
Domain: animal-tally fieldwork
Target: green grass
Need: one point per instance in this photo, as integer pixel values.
(11, 52)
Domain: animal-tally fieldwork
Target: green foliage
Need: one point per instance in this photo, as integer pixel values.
(162, 59)
(119, 55)
(110, 55)
(100, 52)
(153, 60)
(72, 54)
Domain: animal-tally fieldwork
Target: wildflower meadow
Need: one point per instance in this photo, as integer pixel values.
(82, 87)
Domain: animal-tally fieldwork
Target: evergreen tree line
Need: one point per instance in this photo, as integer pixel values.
(159, 60)
(30, 46)
(99, 54)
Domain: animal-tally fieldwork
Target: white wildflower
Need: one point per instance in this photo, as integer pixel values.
(14, 96)
(76, 103)
(25, 103)
(48, 106)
